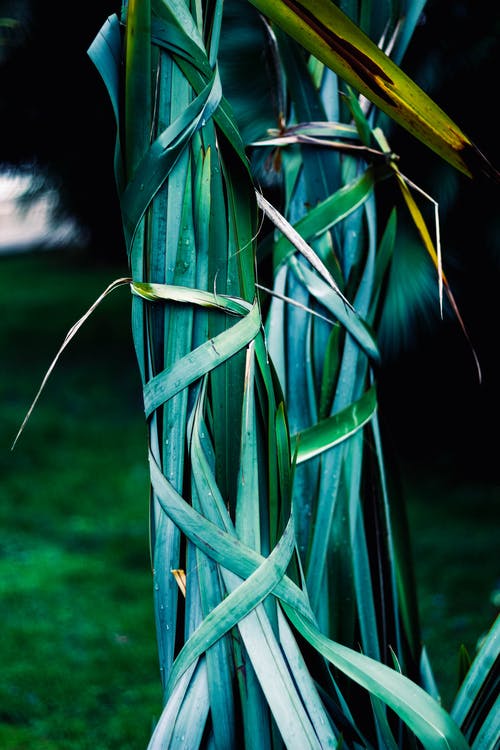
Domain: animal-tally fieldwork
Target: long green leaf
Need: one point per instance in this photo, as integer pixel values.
(137, 83)
(483, 671)
(330, 431)
(328, 213)
(423, 715)
(237, 605)
(430, 722)
(206, 357)
(488, 735)
(353, 323)
(327, 33)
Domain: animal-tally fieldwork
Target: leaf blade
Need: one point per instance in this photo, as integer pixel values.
(334, 39)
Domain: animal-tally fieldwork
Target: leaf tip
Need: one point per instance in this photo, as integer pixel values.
(477, 163)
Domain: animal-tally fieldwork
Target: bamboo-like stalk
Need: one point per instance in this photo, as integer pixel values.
(283, 570)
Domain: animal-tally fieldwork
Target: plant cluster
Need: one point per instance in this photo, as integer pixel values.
(251, 151)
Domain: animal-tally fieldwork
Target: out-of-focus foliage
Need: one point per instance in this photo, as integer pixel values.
(59, 127)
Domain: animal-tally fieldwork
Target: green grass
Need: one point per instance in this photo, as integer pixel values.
(78, 648)
(455, 543)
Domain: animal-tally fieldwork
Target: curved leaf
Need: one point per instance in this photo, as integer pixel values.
(328, 34)
(237, 605)
(204, 358)
(332, 430)
(480, 685)
(349, 318)
(430, 722)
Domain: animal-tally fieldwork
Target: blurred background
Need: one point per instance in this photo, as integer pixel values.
(78, 646)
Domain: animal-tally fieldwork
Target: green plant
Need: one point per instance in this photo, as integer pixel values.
(285, 608)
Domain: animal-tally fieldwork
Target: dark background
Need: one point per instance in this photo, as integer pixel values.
(56, 118)
(454, 56)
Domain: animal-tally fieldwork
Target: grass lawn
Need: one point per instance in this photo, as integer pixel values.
(78, 648)
(455, 544)
(78, 651)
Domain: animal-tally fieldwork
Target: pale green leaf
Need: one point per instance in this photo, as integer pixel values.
(333, 430)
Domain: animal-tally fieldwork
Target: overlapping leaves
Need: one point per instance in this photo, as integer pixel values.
(227, 423)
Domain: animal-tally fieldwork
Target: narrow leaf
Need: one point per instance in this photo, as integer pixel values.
(333, 430)
(327, 33)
